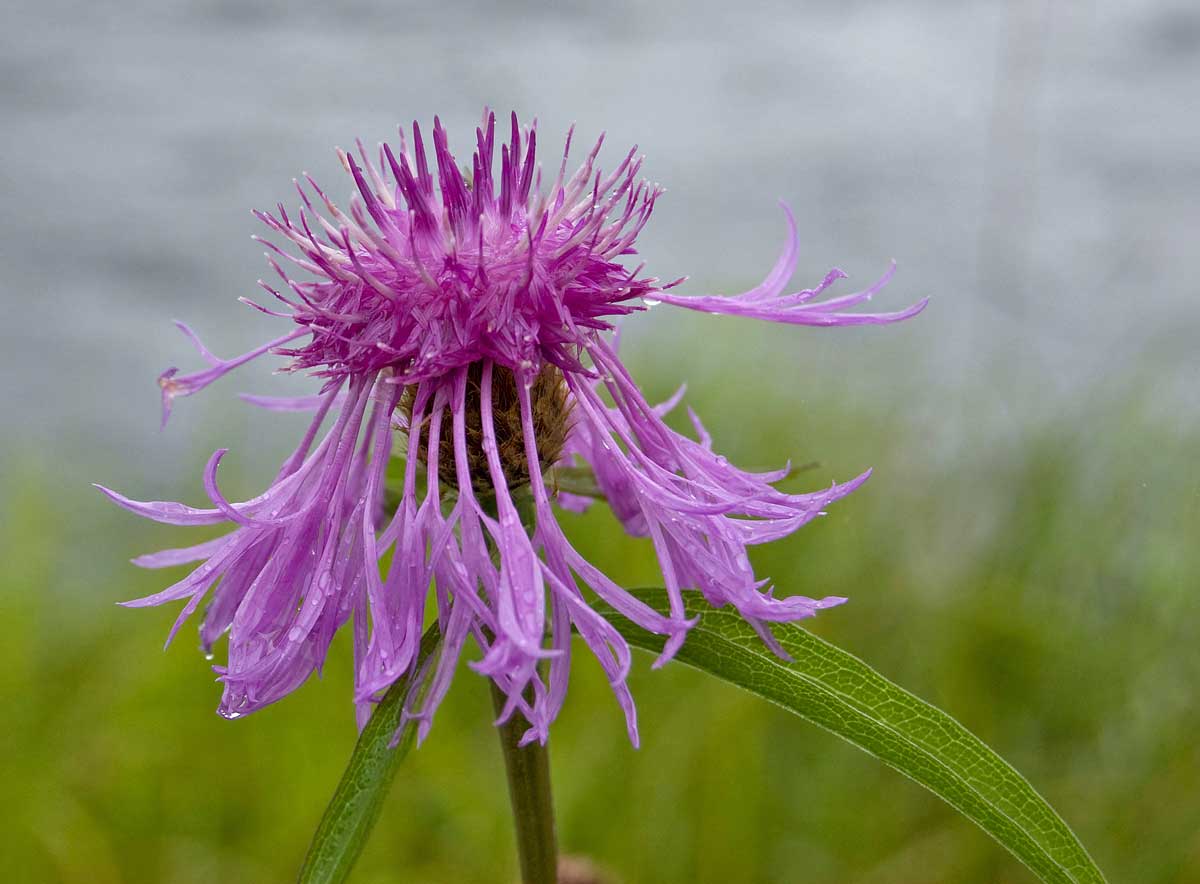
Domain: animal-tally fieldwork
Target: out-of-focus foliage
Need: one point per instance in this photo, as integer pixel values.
(1040, 592)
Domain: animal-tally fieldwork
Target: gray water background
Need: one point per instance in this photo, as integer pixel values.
(1034, 167)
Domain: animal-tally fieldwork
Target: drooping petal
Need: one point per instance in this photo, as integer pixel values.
(767, 301)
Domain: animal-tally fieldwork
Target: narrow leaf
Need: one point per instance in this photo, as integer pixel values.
(355, 805)
(840, 693)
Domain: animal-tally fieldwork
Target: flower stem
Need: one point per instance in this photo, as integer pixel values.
(532, 805)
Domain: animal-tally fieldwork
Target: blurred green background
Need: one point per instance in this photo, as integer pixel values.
(1041, 591)
(1025, 555)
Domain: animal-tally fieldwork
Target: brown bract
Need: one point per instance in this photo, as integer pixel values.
(551, 424)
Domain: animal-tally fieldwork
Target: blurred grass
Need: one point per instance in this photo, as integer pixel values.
(1042, 592)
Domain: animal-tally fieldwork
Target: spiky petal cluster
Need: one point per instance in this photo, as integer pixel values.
(424, 299)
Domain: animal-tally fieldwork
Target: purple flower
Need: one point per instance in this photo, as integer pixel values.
(464, 319)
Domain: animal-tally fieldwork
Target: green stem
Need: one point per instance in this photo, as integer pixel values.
(532, 805)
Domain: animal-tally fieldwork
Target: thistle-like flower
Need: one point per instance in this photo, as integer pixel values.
(467, 323)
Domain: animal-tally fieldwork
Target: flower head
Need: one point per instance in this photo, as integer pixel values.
(463, 319)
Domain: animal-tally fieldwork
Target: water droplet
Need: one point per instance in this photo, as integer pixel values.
(651, 302)
(208, 656)
(295, 634)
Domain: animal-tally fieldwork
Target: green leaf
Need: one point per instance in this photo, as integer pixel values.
(840, 693)
(355, 805)
(575, 480)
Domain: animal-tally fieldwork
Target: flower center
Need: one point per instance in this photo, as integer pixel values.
(551, 424)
